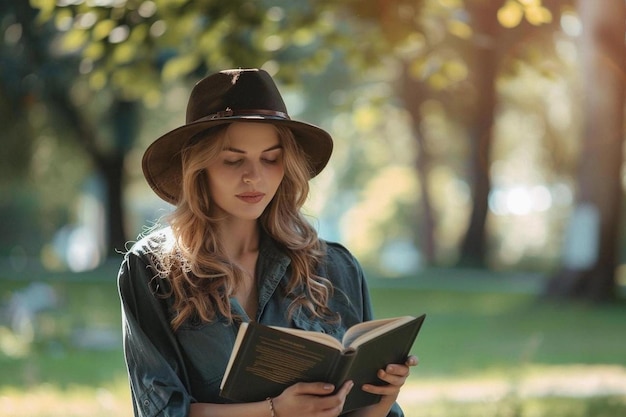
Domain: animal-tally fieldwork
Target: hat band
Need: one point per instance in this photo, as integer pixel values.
(248, 112)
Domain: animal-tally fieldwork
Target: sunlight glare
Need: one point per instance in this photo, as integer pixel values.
(518, 201)
(540, 198)
(570, 23)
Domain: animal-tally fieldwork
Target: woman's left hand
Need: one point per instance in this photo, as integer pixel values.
(395, 375)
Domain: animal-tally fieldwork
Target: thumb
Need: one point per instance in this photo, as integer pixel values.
(313, 388)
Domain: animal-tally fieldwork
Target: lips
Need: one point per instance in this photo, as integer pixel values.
(251, 197)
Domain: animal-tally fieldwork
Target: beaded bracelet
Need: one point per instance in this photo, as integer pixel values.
(271, 403)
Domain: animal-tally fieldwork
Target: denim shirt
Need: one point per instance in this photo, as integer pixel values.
(169, 369)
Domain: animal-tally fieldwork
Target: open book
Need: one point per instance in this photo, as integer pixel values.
(265, 360)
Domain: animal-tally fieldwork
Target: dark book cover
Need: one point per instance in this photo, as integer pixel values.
(269, 360)
(391, 347)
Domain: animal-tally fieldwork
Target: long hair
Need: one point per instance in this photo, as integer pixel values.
(202, 278)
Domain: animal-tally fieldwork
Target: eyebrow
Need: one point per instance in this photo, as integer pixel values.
(231, 149)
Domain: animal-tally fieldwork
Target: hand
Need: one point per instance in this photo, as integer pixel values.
(395, 375)
(312, 399)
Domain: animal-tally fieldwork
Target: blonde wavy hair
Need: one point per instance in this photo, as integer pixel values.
(200, 274)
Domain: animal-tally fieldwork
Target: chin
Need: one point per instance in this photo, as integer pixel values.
(248, 216)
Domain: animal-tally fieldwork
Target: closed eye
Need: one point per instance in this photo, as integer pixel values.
(272, 156)
(235, 162)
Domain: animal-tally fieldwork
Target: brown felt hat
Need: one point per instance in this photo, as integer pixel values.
(248, 95)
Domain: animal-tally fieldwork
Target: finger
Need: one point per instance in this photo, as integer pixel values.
(345, 388)
(394, 369)
(397, 377)
(391, 379)
(313, 388)
(382, 389)
(336, 402)
(412, 361)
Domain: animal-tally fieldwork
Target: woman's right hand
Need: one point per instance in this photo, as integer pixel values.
(306, 399)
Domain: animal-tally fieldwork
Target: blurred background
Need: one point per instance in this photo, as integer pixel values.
(477, 175)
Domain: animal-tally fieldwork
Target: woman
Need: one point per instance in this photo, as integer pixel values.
(237, 249)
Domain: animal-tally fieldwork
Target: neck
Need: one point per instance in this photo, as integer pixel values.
(240, 238)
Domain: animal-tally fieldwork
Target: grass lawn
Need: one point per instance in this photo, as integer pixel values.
(485, 347)
(468, 333)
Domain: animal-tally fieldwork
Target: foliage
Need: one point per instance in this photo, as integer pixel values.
(135, 47)
(17, 98)
(37, 190)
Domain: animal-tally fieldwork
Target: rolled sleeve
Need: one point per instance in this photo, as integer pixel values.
(153, 358)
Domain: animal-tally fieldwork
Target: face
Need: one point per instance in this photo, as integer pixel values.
(244, 178)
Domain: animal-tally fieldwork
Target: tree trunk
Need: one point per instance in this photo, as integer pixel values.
(116, 233)
(125, 122)
(591, 245)
(413, 94)
(485, 62)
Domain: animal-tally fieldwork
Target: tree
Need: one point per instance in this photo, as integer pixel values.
(499, 28)
(485, 61)
(60, 72)
(413, 96)
(23, 123)
(588, 269)
(468, 46)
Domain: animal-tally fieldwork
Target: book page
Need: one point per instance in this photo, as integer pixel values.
(240, 334)
(362, 332)
(321, 338)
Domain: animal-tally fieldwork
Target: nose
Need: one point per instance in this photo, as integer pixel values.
(251, 175)
(249, 180)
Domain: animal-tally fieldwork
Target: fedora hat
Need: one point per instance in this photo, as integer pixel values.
(244, 95)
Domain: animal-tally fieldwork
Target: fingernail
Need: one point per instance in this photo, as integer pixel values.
(328, 387)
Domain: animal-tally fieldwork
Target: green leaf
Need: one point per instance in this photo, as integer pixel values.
(124, 53)
(102, 29)
(46, 9)
(179, 66)
(74, 40)
(94, 51)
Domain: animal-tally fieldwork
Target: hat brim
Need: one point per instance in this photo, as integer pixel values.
(162, 164)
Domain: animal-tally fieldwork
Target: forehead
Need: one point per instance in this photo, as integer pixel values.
(251, 136)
